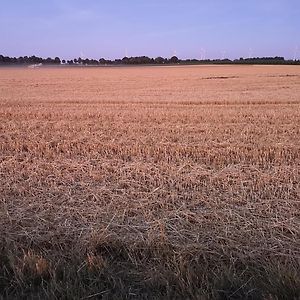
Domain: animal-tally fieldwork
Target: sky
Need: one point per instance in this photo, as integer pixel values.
(118, 28)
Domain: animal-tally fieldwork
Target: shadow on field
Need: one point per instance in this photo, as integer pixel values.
(114, 269)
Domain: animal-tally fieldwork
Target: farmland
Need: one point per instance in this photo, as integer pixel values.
(150, 182)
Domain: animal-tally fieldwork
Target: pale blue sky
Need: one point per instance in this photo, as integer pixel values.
(110, 29)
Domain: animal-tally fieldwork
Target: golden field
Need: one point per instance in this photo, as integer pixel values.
(150, 182)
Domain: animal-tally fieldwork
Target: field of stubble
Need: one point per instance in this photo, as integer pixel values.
(150, 182)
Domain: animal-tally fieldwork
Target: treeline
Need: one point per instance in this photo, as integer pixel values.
(25, 60)
(141, 60)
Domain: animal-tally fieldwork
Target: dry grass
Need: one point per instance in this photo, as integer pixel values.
(150, 182)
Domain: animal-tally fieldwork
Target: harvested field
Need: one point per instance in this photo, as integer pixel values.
(150, 182)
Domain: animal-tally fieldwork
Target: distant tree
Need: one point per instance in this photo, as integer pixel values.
(174, 60)
(125, 60)
(86, 61)
(159, 60)
(145, 60)
(57, 60)
(49, 60)
(20, 60)
(63, 61)
(34, 60)
(26, 59)
(102, 61)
